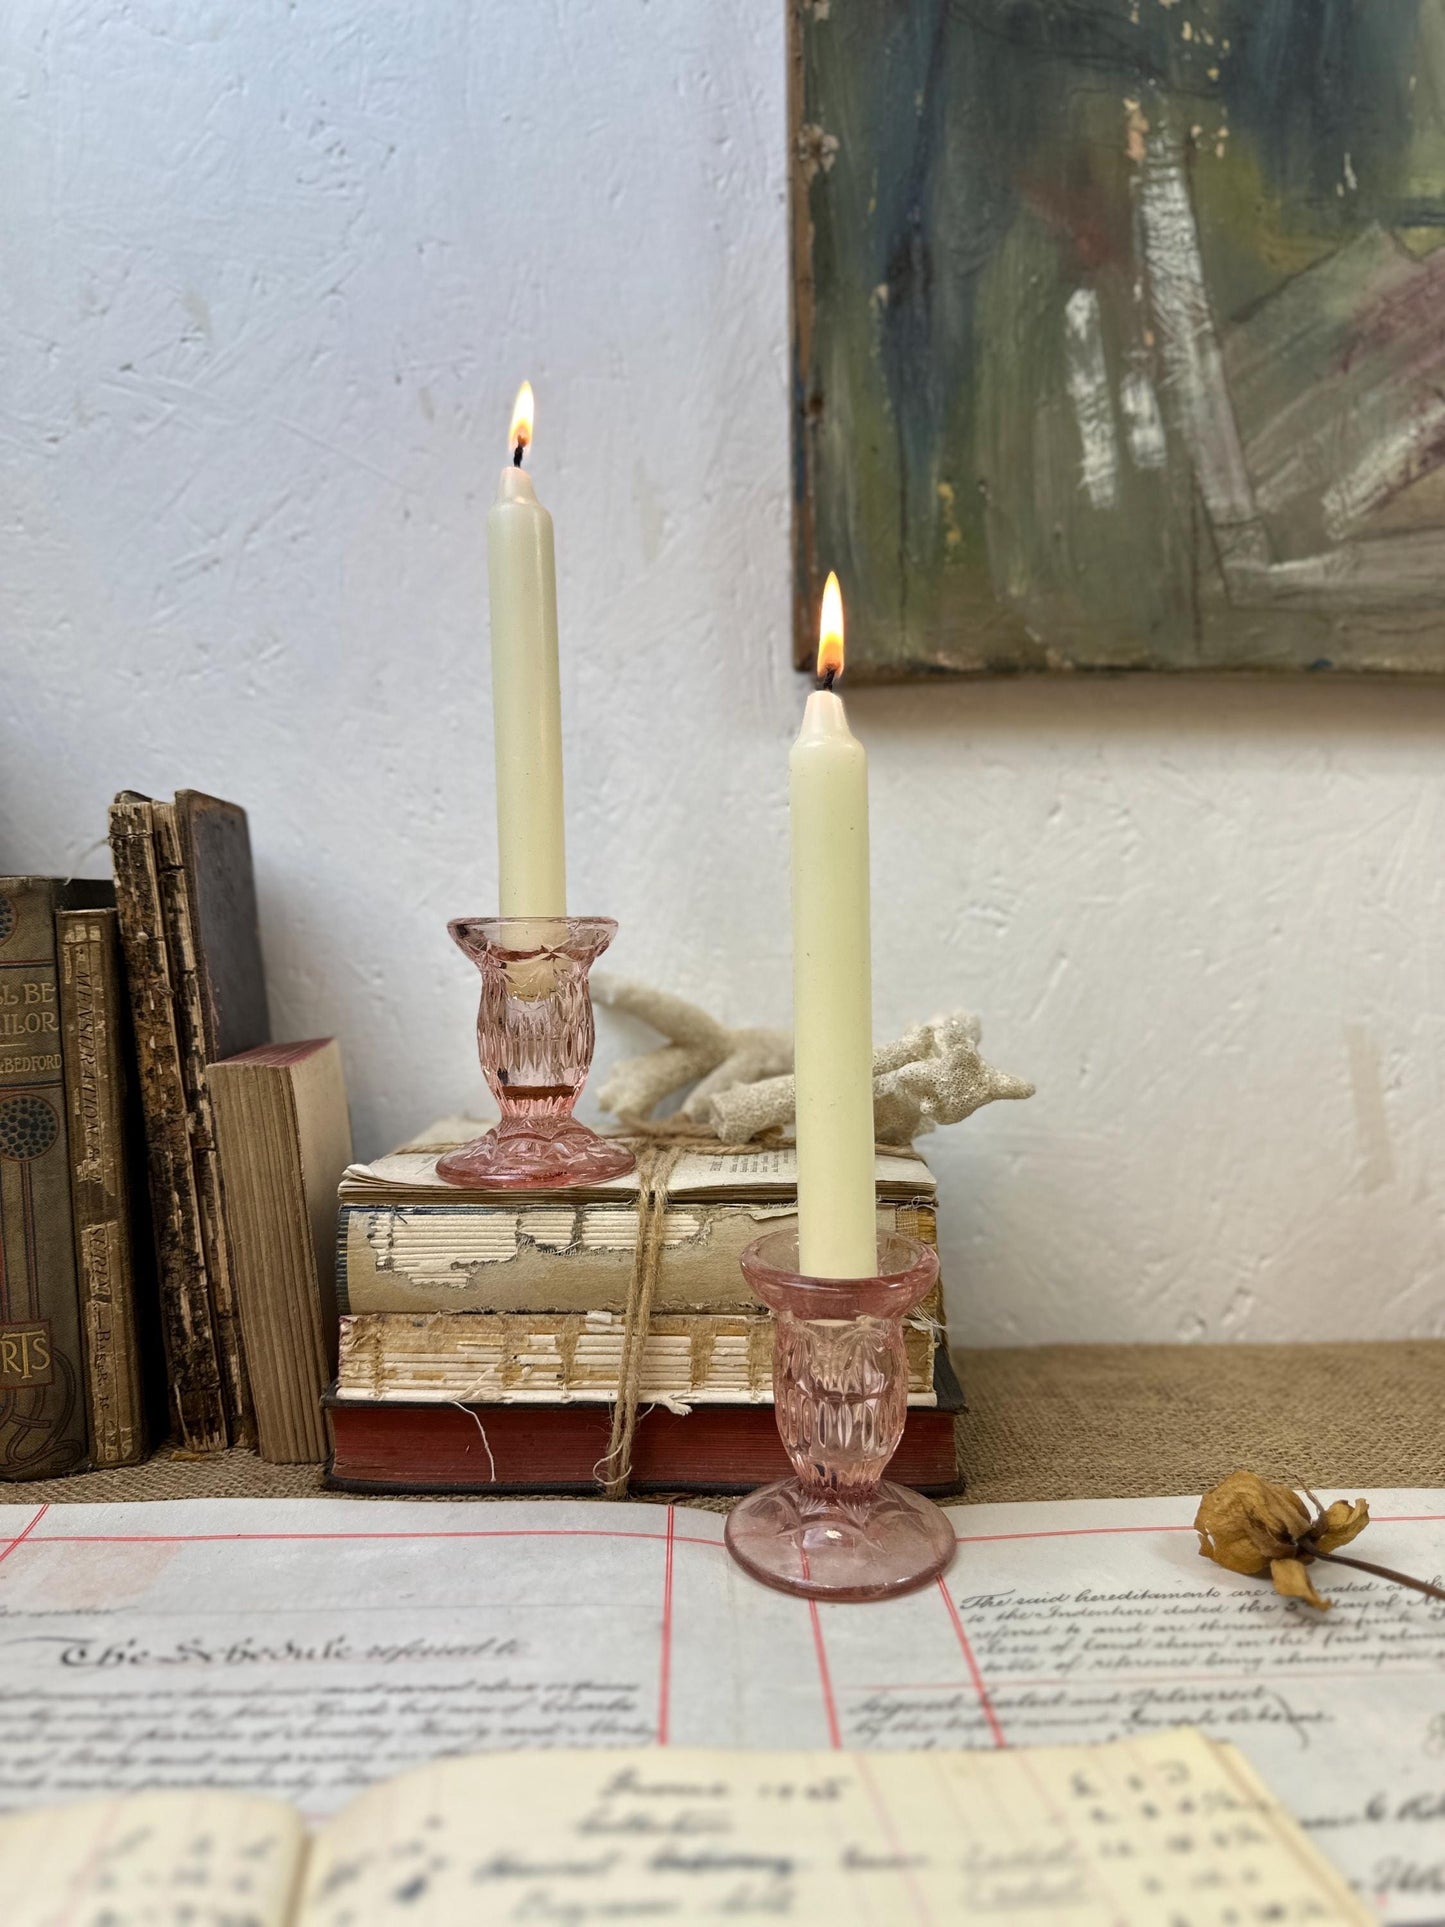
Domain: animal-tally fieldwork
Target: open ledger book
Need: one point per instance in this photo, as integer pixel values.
(1169, 1828)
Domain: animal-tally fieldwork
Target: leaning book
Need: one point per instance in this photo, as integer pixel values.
(193, 1370)
(218, 983)
(186, 894)
(283, 1138)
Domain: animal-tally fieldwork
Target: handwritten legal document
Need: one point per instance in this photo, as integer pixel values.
(1172, 1828)
(308, 1649)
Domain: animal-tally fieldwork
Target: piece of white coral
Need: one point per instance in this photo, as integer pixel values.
(931, 1075)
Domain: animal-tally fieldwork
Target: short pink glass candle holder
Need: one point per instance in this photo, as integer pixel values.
(535, 1038)
(839, 1530)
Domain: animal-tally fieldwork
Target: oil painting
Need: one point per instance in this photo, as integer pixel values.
(1119, 333)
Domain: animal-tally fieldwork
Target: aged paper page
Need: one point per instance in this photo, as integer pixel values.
(153, 1860)
(699, 1174)
(1155, 1830)
(309, 1648)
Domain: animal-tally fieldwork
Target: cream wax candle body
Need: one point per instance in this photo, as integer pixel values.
(526, 700)
(832, 994)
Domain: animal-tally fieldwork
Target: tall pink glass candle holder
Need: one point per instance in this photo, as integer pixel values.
(535, 1038)
(840, 1530)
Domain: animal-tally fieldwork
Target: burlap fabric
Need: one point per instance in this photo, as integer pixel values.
(1128, 1421)
(1063, 1422)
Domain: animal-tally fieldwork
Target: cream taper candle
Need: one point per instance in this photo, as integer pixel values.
(832, 978)
(526, 692)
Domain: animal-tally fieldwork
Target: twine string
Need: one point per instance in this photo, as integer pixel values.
(656, 1161)
(486, 1442)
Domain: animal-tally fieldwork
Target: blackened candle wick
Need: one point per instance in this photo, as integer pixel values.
(830, 676)
(517, 454)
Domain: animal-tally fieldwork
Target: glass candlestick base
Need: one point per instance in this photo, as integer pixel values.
(535, 1038)
(839, 1530)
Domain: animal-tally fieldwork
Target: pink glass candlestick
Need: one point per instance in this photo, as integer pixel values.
(535, 1038)
(839, 1530)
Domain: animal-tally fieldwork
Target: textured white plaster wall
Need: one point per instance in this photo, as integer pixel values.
(270, 276)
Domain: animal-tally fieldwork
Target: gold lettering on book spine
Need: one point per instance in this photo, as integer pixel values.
(23, 1025)
(101, 1262)
(99, 1203)
(26, 1357)
(79, 961)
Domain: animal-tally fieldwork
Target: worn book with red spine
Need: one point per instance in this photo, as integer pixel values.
(436, 1448)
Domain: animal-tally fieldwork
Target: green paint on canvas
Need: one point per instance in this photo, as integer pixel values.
(1116, 332)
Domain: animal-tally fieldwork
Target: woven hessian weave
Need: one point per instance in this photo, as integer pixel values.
(1060, 1422)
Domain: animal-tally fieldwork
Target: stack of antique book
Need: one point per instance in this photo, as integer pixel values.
(481, 1334)
(167, 1176)
(117, 998)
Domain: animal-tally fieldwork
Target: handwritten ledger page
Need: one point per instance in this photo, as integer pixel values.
(1171, 1828)
(309, 1648)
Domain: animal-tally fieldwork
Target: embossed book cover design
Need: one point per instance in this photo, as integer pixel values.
(42, 1402)
(125, 1395)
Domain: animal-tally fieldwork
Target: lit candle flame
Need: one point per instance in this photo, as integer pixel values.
(830, 630)
(523, 413)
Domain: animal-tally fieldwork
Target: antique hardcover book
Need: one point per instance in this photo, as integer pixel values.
(551, 1358)
(408, 1242)
(429, 1445)
(124, 1374)
(42, 1371)
(284, 1139)
(214, 841)
(208, 896)
(1165, 1827)
(193, 1372)
(187, 900)
(482, 1333)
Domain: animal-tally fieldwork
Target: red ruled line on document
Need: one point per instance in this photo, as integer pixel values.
(664, 1680)
(1093, 1532)
(825, 1677)
(555, 1532)
(921, 1909)
(21, 1537)
(971, 1663)
(323, 1538)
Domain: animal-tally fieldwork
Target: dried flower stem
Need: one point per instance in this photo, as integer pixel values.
(1380, 1572)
